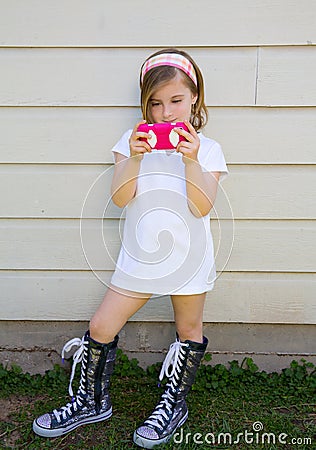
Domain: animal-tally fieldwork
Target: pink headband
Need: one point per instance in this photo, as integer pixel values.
(170, 59)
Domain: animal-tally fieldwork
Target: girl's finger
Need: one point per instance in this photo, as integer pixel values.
(185, 144)
(134, 136)
(191, 128)
(190, 135)
(137, 125)
(183, 133)
(182, 148)
(141, 146)
(142, 134)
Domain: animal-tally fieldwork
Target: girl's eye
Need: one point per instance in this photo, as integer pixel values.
(155, 104)
(176, 101)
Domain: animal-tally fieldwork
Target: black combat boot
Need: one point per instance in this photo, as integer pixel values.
(92, 402)
(180, 366)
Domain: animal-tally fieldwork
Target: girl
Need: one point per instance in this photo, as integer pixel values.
(167, 249)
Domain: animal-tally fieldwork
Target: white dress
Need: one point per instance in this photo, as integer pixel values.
(165, 248)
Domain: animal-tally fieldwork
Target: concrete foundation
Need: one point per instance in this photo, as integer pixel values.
(36, 346)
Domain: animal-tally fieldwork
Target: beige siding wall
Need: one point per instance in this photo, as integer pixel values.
(68, 89)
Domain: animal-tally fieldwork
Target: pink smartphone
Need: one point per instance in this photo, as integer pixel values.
(163, 136)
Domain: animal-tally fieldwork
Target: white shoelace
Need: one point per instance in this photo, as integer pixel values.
(174, 357)
(77, 357)
(159, 413)
(64, 410)
(171, 358)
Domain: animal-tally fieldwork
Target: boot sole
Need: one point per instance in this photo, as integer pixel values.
(46, 432)
(151, 443)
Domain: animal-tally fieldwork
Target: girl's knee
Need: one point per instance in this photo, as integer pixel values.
(99, 331)
(96, 319)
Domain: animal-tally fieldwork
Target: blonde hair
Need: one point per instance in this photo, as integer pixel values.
(157, 76)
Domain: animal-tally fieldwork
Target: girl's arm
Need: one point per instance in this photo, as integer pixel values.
(126, 170)
(201, 186)
(124, 180)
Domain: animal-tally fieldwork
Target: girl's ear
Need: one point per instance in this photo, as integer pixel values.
(194, 99)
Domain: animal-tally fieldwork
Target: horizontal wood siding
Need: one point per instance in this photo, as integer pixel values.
(84, 76)
(68, 92)
(71, 191)
(238, 297)
(256, 245)
(286, 76)
(78, 135)
(131, 23)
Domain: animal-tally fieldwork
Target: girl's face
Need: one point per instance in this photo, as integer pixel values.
(172, 102)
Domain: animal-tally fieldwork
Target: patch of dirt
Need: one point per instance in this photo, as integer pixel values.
(10, 428)
(12, 405)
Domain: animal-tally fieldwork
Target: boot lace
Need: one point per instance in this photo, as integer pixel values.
(175, 358)
(80, 355)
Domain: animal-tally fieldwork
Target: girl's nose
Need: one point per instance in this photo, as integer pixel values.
(167, 113)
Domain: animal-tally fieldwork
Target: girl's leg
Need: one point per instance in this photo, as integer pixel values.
(184, 356)
(97, 351)
(188, 315)
(116, 308)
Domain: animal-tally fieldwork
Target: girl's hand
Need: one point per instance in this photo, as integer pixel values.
(137, 147)
(190, 147)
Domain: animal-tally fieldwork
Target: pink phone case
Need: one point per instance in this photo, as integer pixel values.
(163, 136)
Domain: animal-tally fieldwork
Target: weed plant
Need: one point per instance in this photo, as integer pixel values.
(235, 407)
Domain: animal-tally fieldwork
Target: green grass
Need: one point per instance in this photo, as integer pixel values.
(221, 401)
